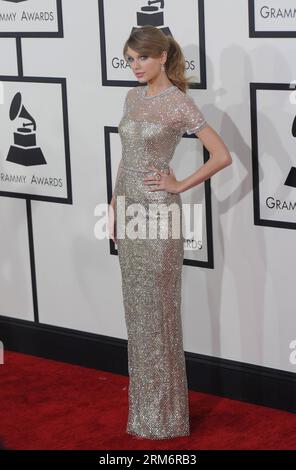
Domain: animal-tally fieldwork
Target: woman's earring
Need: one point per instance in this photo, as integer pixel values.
(162, 68)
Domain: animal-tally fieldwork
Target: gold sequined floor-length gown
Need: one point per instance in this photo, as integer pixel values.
(151, 269)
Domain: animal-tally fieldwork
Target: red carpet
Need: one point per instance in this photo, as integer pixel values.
(51, 405)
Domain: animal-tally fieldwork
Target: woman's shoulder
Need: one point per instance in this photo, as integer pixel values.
(136, 90)
(133, 93)
(185, 100)
(183, 95)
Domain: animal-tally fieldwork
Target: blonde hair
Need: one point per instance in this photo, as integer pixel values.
(151, 41)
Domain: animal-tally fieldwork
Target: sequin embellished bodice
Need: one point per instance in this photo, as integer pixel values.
(150, 129)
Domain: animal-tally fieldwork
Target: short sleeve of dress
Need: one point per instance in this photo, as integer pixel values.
(192, 119)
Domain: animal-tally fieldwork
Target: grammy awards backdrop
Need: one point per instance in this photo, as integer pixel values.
(63, 81)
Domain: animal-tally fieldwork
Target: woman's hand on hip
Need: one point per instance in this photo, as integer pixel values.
(162, 181)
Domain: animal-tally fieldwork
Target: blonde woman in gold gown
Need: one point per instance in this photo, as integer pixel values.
(156, 114)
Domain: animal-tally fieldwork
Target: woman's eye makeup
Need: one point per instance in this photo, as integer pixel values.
(130, 59)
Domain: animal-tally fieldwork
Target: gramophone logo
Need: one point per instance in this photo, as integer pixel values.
(34, 143)
(24, 151)
(273, 147)
(291, 178)
(137, 13)
(152, 15)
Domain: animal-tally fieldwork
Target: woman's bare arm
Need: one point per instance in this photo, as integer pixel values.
(219, 158)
